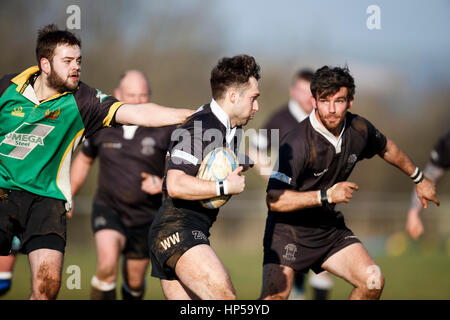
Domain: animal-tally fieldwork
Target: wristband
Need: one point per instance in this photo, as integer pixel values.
(221, 188)
(323, 196)
(417, 176)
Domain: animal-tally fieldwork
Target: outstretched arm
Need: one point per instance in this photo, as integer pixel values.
(395, 156)
(151, 115)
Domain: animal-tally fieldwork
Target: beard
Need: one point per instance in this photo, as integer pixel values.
(57, 83)
(333, 125)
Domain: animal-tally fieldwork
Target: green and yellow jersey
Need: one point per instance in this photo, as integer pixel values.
(37, 138)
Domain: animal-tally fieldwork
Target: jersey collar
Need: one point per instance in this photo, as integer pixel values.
(224, 119)
(296, 110)
(25, 88)
(336, 142)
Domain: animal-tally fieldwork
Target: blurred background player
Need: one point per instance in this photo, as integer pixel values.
(131, 166)
(434, 170)
(284, 120)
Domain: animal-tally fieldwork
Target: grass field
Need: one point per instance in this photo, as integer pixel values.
(413, 275)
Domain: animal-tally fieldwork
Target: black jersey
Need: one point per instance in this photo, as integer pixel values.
(205, 130)
(308, 161)
(440, 156)
(123, 154)
(284, 120)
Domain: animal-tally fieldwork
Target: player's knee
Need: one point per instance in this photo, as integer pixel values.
(107, 271)
(373, 284)
(47, 289)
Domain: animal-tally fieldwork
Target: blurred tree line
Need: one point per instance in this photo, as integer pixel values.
(177, 48)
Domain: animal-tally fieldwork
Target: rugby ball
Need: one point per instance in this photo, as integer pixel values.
(217, 166)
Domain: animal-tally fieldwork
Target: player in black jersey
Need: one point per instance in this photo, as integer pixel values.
(180, 252)
(282, 121)
(303, 229)
(129, 190)
(434, 170)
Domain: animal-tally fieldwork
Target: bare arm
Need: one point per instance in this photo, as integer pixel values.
(395, 156)
(151, 115)
(78, 173)
(183, 186)
(291, 200)
(414, 224)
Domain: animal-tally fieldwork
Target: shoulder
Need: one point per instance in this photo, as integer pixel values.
(299, 137)
(5, 82)
(279, 115)
(203, 115)
(360, 125)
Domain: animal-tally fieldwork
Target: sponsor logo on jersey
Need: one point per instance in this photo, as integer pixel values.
(52, 114)
(171, 240)
(318, 174)
(18, 112)
(25, 138)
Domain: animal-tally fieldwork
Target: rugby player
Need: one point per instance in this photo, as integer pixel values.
(303, 229)
(131, 168)
(434, 170)
(45, 111)
(284, 120)
(181, 254)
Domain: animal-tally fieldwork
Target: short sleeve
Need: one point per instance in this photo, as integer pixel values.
(375, 142)
(290, 165)
(97, 109)
(89, 148)
(440, 156)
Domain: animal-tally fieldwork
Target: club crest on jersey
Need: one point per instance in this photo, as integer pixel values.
(52, 114)
(100, 95)
(18, 112)
(291, 249)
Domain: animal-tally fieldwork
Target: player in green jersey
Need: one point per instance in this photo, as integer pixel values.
(45, 112)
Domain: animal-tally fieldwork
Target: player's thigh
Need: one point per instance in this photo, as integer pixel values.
(109, 243)
(354, 264)
(7, 263)
(277, 281)
(175, 290)
(46, 265)
(201, 270)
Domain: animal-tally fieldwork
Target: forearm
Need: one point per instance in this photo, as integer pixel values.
(151, 115)
(79, 171)
(184, 186)
(290, 200)
(395, 156)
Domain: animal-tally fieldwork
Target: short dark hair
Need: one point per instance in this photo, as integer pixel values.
(329, 80)
(48, 39)
(303, 74)
(235, 71)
